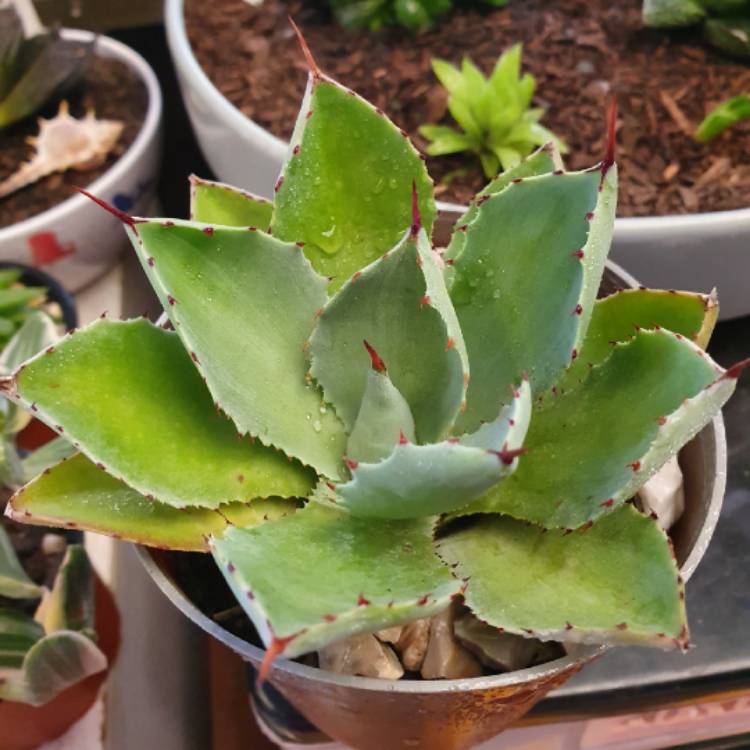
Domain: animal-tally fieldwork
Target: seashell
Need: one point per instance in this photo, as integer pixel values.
(63, 143)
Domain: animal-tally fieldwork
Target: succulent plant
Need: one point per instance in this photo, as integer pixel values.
(723, 116)
(497, 121)
(361, 427)
(43, 655)
(726, 23)
(37, 332)
(34, 70)
(375, 14)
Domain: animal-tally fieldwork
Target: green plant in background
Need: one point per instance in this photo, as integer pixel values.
(375, 14)
(726, 23)
(34, 70)
(495, 114)
(44, 654)
(723, 116)
(37, 332)
(18, 302)
(337, 392)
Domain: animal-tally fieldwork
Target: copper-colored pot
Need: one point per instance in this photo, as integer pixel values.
(370, 714)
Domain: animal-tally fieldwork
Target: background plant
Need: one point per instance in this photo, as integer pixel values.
(37, 332)
(47, 652)
(495, 115)
(34, 70)
(375, 14)
(726, 23)
(723, 116)
(336, 393)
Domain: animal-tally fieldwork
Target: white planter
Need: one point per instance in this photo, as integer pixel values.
(693, 252)
(76, 241)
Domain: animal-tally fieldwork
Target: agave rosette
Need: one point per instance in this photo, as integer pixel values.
(360, 427)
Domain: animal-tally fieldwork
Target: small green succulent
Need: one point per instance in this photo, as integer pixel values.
(360, 427)
(375, 14)
(34, 70)
(44, 654)
(497, 121)
(726, 23)
(723, 116)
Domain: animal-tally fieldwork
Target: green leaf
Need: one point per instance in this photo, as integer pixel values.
(450, 77)
(427, 480)
(52, 664)
(46, 457)
(18, 633)
(543, 161)
(44, 66)
(77, 492)
(532, 257)
(217, 203)
(731, 35)
(128, 395)
(244, 304)
(724, 115)
(400, 306)
(345, 190)
(672, 12)
(37, 332)
(592, 448)
(383, 418)
(617, 318)
(9, 276)
(615, 583)
(14, 581)
(307, 599)
(445, 140)
(15, 297)
(70, 603)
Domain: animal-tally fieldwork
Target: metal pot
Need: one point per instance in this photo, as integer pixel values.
(370, 714)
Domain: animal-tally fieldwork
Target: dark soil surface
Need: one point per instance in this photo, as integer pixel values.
(581, 52)
(114, 93)
(26, 540)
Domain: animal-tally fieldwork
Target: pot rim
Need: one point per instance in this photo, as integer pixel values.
(579, 653)
(105, 47)
(630, 228)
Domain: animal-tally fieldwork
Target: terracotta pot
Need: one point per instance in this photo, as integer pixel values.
(370, 714)
(27, 727)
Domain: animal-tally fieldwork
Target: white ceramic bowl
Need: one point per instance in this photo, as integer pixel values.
(694, 252)
(76, 241)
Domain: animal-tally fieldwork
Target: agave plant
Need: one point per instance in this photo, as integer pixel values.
(360, 427)
(34, 70)
(44, 654)
(726, 23)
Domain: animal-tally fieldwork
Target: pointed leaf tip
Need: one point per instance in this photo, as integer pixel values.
(736, 370)
(311, 64)
(509, 456)
(377, 363)
(611, 152)
(116, 212)
(416, 217)
(275, 649)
